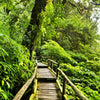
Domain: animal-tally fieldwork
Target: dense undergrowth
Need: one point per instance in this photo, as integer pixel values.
(82, 71)
(15, 65)
(24, 27)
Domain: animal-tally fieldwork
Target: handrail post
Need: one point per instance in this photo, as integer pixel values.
(48, 62)
(52, 65)
(57, 74)
(36, 62)
(64, 87)
(58, 66)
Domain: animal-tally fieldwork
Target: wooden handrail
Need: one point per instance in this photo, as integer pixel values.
(65, 78)
(53, 61)
(20, 93)
(78, 92)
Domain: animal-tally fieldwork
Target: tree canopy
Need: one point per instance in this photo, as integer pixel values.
(62, 30)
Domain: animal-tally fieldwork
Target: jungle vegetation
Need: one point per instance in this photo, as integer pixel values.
(62, 30)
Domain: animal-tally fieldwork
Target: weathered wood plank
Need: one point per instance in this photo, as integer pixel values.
(47, 86)
(53, 61)
(41, 64)
(48, 96)
(47, 91)
(44, 73)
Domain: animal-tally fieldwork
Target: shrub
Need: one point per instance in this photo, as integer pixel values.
(78, 57)
(14, 66)
(93, 65)
(53, 50)
(83, 78)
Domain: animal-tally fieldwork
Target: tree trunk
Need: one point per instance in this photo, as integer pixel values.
(33, 28)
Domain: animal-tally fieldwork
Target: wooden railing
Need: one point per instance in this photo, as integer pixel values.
(62, 89)
(65, 79)
(21, 92)
(51, 62)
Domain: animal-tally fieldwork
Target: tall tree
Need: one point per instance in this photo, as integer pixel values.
(31, 34)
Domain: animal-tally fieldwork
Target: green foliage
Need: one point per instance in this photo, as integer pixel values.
(77, 45)
(53, 50)
(93, 65)
(96, 1)
(79, 57)
(14, 62)
(19, 19)
(3, 94)
(87, 81)
(15, 17)
(67, 25)
(15, 66)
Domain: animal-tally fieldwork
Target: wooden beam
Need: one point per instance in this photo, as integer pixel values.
(34, 90)
(53, 61)
(64, 87)
(78, 92)
(20, 93)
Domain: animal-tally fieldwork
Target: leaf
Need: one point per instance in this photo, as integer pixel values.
(3, 82)
(8, 84)
(5, 52)
(3, 94)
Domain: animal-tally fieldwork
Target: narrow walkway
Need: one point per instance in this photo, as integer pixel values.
(47, 89)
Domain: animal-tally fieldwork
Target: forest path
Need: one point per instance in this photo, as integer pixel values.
(47, 88)
(47, 84)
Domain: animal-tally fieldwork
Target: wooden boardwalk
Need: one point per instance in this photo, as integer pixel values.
(47, 89)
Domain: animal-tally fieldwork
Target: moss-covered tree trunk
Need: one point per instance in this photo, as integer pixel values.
(31, 34)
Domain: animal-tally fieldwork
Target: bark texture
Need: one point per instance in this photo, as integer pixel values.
(31, 34)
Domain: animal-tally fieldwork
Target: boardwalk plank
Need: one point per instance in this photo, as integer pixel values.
(44, 73)
(47, 90)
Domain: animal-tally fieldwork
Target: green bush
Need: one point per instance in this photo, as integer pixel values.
(83, 78)
(78, 57)
(53, 50)
(93, 65)
(14, 66)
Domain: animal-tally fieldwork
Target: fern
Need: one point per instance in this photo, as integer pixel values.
(55, 51)
(3, 95)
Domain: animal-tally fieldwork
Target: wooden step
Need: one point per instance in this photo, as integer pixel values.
(47, 85)
(41, 65)
(48, 91)
(44, 75)
(48, 99)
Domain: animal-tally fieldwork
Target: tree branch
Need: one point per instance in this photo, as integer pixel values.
(72, 4)
(95, 3)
